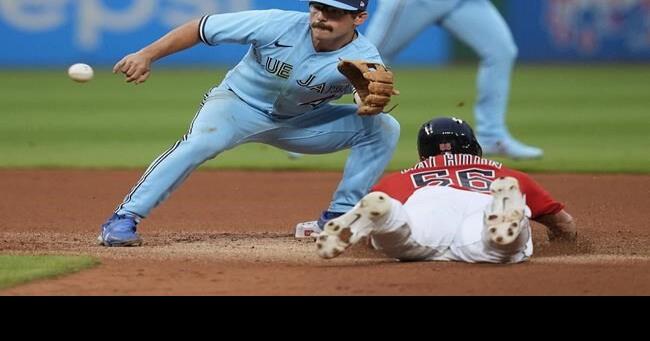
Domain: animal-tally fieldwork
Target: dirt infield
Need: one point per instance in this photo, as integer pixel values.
(230, 233)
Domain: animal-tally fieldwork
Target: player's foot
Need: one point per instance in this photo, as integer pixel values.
(504, 217)
(509, 147)
(307, 229)
(348, 229)
(311, 229)
(120, 230)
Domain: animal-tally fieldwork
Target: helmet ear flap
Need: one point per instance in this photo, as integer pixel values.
(474, 147)
(478, 150)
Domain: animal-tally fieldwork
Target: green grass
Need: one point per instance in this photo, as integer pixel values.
(586, 118)
(16, 269)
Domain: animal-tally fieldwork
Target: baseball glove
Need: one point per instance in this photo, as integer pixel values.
(372, 81)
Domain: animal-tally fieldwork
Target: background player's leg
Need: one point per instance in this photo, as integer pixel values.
(222, 123)
(395, 23)
(371, 140)
(478, 24)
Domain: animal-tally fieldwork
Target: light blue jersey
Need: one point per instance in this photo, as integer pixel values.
(282, 74)
(279, 95)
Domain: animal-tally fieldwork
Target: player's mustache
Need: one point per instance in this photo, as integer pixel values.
(321, 26)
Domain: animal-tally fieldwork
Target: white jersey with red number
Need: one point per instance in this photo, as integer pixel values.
(465, 172)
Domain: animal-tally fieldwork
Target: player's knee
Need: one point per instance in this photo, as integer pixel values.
(505, 53)
(510, 51)
(205, 149)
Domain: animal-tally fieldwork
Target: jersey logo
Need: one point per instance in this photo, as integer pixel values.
(307, 84)
(278, 67)
(357, 217)
(445, 147)
(277, 44)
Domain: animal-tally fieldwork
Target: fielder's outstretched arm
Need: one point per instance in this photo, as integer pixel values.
(137, 66)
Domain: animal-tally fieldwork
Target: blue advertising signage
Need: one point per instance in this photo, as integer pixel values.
(60, 32)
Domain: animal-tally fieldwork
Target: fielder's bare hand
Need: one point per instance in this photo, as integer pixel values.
(561, 227)
(136, 67)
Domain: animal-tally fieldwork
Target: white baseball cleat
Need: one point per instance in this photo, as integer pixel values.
(504, 217)
(307, 230)
(346, 230)
(511, 148)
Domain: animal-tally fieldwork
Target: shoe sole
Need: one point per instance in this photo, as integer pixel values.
(338, 235)
(501, 150)
(125, 244)
(137, 242)
(503, 218)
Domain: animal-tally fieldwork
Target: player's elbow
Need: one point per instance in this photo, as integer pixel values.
(560, 226)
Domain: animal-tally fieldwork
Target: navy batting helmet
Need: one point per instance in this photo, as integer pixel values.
(447, 135)
(348, 5)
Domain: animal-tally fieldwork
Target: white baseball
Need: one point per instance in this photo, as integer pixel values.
(81, 72)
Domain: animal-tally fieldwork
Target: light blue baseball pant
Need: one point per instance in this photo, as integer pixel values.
(475, 22)
(224, 121)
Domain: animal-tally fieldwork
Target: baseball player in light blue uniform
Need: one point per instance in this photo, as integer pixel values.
(478, 24)
(278, 94)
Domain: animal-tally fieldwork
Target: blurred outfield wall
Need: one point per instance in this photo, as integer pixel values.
(581, 30)
(99, 32)
(56, 32)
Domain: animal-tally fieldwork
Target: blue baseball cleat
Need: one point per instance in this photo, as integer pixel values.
(120, 230)
(327, 216)
(509, 147)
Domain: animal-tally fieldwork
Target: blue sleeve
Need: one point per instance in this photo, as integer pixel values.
(247, 27)
(370, 51)
(376, 59)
